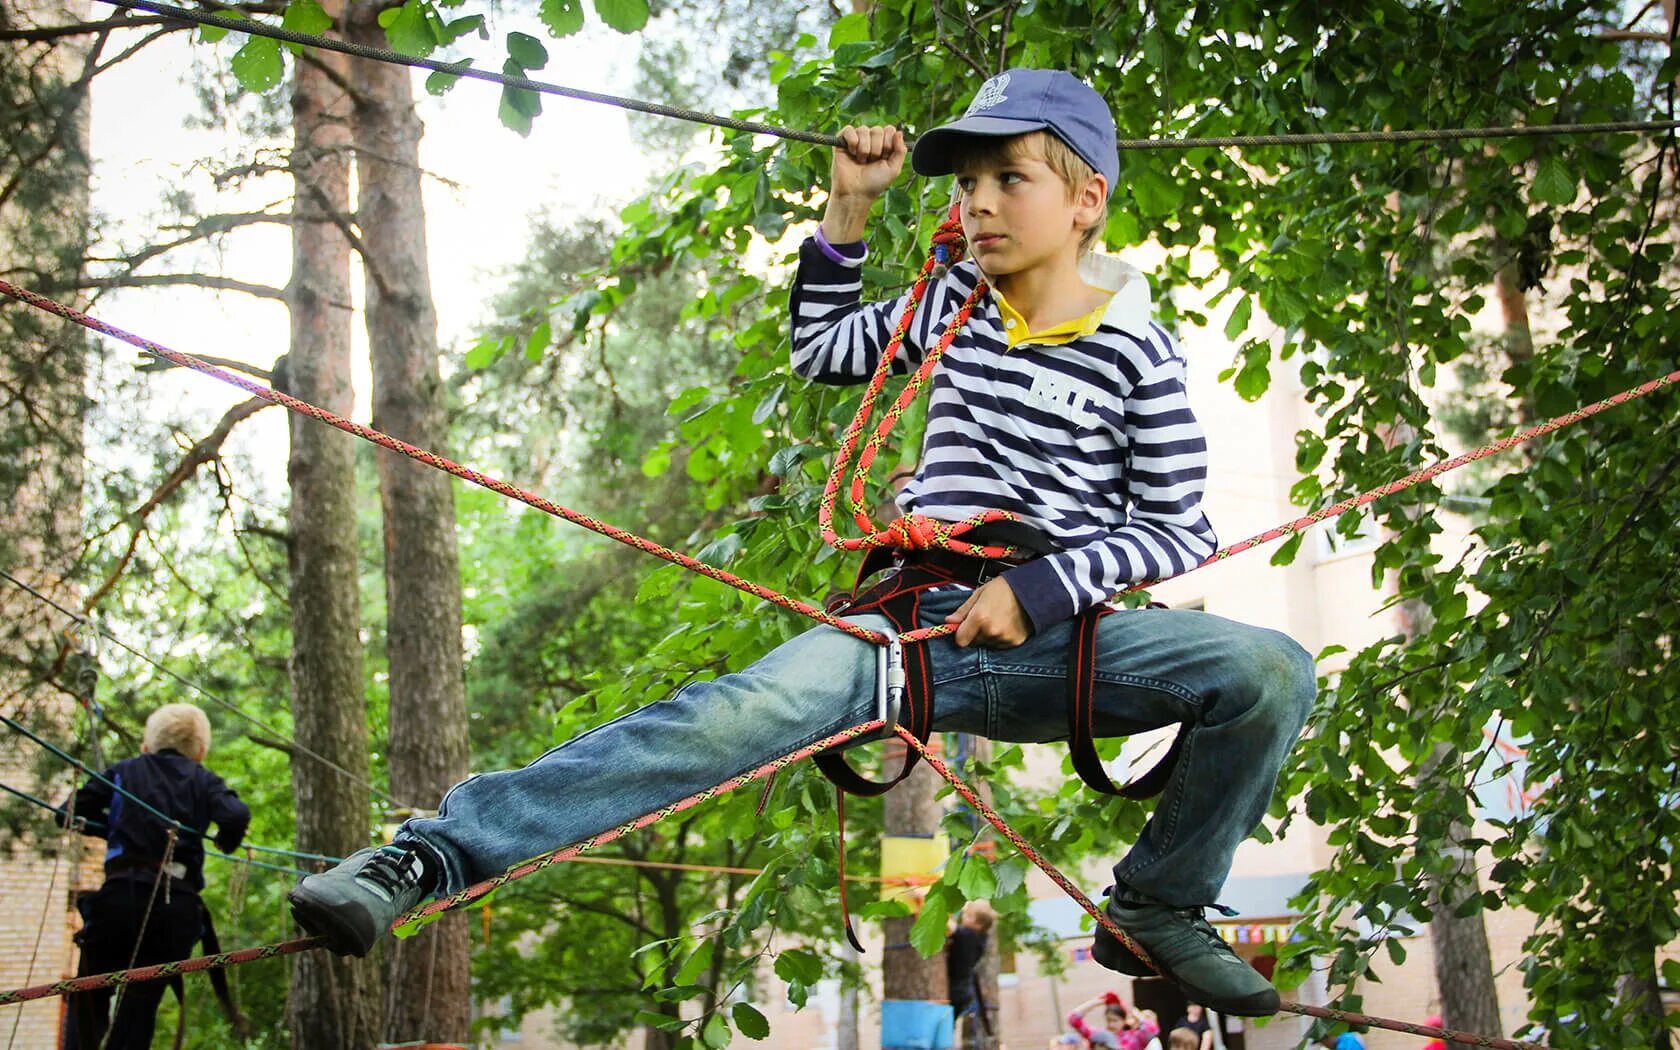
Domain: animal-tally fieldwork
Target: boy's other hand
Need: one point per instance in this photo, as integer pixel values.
(868, 162)
(992, 616)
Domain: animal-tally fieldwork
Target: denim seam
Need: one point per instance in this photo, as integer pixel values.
(1169, 820)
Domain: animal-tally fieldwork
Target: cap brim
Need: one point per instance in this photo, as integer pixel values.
(932, 152)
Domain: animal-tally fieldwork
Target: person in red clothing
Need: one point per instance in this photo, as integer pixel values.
(1434, 1044)
(1130, 1029)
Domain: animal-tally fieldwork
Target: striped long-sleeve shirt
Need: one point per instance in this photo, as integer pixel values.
(1092, 442)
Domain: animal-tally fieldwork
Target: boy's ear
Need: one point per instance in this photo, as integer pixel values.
(1089, 200)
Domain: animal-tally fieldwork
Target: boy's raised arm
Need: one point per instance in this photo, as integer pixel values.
(871, 160)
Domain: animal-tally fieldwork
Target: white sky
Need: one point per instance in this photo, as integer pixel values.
(578, 159)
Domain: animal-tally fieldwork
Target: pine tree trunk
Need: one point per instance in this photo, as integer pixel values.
(333, 1003)
(428, 745)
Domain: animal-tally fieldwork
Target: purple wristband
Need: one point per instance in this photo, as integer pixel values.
(835, 255)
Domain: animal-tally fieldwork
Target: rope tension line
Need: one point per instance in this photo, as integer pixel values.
(49, 807)
(84, 621)
(170, 822)
(251, 27)
(846, 736)
(1286, 1006)
(647, 546)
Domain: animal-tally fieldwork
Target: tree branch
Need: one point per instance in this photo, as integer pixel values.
(154, 364)
(209, 226)
(43, 34)
(203, 452)
(195, 280)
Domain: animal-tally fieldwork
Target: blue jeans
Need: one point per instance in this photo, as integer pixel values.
(1243, 691)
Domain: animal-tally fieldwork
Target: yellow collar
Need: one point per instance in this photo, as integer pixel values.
(1128, 307)
(1015, 326)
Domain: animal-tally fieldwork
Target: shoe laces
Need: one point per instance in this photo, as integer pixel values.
(391, 871)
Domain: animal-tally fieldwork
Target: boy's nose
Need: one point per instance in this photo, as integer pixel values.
(979, 200)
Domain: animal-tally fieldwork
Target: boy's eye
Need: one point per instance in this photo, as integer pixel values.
(965, 183)
(1009, 178)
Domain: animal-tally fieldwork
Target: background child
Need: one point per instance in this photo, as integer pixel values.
(148, 909)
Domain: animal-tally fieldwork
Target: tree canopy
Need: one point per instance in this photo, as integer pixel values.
(1554, 629)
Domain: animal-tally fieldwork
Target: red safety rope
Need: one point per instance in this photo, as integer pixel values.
(443, 904)
(659, 551)
(903, 533)
(536, 864)
(912, 532)
(973, 799)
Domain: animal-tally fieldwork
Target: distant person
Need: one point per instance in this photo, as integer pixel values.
(1435, 1044)
(148, 909)
(1183, 1039)
(1196, 1020)
(964, 949)
(1345, 1041)
(1151, 1018)
(1127, 1027)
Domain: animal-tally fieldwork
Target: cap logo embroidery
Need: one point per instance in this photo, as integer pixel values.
(990, 94)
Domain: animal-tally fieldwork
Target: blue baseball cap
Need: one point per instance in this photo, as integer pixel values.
(1018, 101)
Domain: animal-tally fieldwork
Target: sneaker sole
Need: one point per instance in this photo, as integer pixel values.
(1110, 953)
(320, 919)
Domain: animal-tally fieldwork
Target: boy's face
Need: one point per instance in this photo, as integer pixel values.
(1017, 212)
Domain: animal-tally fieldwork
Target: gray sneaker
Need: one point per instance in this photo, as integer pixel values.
(352, 904)
(1187, 949)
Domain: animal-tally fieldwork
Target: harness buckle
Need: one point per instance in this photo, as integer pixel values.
(889, 679)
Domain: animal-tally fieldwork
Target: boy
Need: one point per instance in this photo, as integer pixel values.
(141, 872)
(1062, 402)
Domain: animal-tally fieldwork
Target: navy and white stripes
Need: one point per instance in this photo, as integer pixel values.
(1092, 442)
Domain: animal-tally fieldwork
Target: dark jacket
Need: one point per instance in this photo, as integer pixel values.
(171, 783)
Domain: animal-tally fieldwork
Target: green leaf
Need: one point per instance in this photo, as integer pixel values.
(798, 964)
(461, 27)
(1156, 194)
(851, 29)
(749, 1022)
(538, 341)
(527, 50)
(408, 29)
(626, 16)
(440, 82)
(1237, 323)
(562, 17)
(927, 935)
(1553, 182)
(1009, 873)
(977, 881)
(698, 961)
(519, 105)
(306, 16)
(258, 64)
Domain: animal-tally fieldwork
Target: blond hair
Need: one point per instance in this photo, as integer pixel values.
(982, 914)
(1183, 1039)
(178, 727)
(1057, 155)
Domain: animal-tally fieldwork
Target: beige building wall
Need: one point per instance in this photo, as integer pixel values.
(40, 523)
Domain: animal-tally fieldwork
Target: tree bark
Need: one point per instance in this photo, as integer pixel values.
(910, 809)
(1463, 961)
(333, 1003)
(428, 744)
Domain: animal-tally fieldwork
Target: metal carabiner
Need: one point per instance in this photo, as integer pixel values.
(889, 680)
